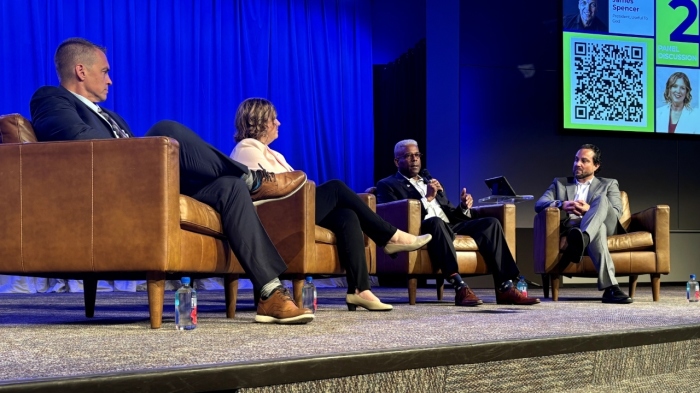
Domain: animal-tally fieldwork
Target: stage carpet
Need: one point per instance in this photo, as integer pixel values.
(575, 345)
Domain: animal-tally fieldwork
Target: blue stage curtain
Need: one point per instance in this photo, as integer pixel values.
(194, 61)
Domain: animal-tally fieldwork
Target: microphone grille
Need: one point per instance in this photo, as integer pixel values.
(425, 174)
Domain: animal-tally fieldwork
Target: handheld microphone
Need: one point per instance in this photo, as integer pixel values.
(425, 174)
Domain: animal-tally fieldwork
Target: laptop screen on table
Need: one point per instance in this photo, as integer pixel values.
(499, 186)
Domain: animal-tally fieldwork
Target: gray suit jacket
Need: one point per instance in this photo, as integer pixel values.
(564, 189)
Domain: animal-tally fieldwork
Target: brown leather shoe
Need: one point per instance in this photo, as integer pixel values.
(514, 296)
(280, 308)
(276, 186)
(466, 298)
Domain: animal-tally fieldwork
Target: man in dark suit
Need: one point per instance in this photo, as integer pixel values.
(590, 210)
(443, 220)
(70, 112)
(586, 19)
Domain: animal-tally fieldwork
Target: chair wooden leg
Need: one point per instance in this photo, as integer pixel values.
(89, 294)
(545, 285)
(655, 286)
(412, 288)
(231, 294)
(155, 282)
(633, 284)
(440, 285)
(556, 280)
(298, 287)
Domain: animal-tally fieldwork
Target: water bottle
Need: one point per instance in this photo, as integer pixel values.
(692, 292)
(185, 306)
(522, 285)
(308, 294)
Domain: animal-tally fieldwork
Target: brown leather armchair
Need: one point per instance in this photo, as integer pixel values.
(644, 249)
(406, 215)
(307, 248)
(105, 209)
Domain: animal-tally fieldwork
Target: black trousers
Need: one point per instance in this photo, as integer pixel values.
(487, 232)
(211, 177)
(341, 211)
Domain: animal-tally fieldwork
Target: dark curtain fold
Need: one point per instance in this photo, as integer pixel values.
(195, 61)
(399, 107)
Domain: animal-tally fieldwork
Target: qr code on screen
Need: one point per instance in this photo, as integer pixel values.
(608, 82)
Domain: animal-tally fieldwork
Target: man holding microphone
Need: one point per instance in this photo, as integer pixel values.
(443, 220)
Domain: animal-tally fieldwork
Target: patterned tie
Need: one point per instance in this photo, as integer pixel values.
(116, 130)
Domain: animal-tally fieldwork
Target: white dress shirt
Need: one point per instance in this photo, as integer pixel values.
(432, 208)
(93, 107)
(581, 195)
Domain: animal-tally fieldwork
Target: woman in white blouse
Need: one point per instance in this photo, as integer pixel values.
(676, 115)
(338, 208)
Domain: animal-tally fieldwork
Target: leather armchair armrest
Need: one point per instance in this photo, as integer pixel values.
(499, 211)
(14, 128)
(546, 234)
(404, 214)
(505, 213)
(72, 202)
(650, 219)
(370, 200)
(656, 220)
(291, 225)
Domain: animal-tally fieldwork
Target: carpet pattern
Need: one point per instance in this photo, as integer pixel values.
(47, 335)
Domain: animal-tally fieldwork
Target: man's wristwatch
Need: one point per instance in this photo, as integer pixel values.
(557, 204)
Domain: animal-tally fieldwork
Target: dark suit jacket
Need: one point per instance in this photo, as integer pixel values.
(574, 22)
(397, 187)
(58, 115)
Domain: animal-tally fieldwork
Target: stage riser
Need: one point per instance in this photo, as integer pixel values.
(668, 367)
(576, 344)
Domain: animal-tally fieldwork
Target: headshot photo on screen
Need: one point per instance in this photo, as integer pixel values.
(677, 111)
(585, 15)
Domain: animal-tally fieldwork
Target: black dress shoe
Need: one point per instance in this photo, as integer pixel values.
(575, 245)
(614, 294)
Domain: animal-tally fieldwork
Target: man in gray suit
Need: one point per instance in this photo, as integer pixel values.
(590, 211)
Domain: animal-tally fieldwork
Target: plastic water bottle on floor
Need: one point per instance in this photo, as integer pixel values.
(522, 285)
(692, 292)
(308, 294)
(185, 306)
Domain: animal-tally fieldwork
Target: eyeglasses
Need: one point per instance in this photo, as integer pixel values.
(408, 156)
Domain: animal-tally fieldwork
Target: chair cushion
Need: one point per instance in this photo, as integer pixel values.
(14, 128)
(323, 235)
(465, 243)
(633, 241)
(198, 217)
(461, 242)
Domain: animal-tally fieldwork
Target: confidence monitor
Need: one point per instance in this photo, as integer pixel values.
(499, 186)
(631, 65)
